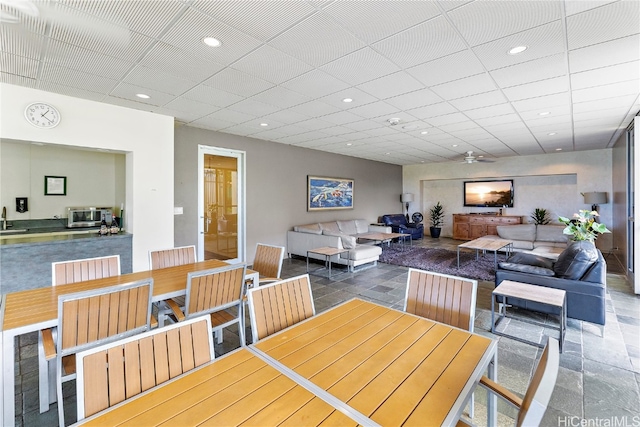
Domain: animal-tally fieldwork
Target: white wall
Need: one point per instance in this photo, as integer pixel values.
(146, 138)
(550, 181)
(91, 178)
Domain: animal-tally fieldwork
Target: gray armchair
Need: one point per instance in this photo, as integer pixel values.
(580, 270)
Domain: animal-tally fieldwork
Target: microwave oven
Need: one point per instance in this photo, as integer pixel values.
(88, 217)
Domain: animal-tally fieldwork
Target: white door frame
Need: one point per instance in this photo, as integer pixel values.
(241, 157)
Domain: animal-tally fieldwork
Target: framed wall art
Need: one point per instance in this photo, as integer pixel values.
(325, 193)
(55, 185)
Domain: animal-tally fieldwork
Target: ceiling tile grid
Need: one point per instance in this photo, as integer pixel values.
(439, 67)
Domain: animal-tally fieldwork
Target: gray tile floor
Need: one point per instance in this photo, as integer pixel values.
(598, 382)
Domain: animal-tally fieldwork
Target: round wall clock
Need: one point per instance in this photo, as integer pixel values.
(42, 115)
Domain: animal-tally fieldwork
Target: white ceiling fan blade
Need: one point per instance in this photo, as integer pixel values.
(23, 6)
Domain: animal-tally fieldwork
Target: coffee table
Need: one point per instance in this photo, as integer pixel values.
(488, 244)
(387, 237)
(328, 252)
(534, 293)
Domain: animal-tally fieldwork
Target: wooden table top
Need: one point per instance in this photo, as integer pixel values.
(535, 293)
(239, 388)
(381, 236)
(35, 306)
(393, 367)
(489, 244)
(328, 251)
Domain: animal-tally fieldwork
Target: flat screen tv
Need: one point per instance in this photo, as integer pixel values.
(495, 194)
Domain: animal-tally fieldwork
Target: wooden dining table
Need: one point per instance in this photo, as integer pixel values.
(356, 364)
(35, 309)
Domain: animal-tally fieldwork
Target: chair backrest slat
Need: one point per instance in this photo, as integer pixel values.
(214, 289)
(172, 257)
(79, 270)
(443, 298)
(279, 305)
(117, 371)
(91, 317)
(538, 394)
(268, 260)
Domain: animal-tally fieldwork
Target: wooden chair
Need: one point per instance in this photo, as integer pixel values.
(279, 305)
(215, 292)
(62, 273)
(532, 407)
(443, 298)
(111, 373)
(268, 263)
(90, 318)
(171, 257)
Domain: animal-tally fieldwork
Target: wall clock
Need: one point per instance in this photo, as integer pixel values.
(42, 115)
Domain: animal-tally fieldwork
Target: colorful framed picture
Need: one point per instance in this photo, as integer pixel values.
(55, 185)
(325, 193)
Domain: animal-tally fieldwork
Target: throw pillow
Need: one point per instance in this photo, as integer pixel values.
(574, 261)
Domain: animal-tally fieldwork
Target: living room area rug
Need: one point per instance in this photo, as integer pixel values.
(443, 261)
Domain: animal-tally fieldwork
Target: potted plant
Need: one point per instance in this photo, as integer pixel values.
(583, 226)
(436, 217)
(540, 216)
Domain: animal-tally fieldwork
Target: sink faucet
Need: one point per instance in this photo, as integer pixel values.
(4, 217)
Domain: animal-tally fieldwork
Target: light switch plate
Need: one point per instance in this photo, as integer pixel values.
(178, 210)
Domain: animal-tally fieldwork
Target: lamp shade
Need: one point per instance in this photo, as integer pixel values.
(406, 197)
(595, 198)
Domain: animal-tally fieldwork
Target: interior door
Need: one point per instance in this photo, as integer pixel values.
(221, 211)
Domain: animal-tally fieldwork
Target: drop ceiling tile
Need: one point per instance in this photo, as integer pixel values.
(179, 63)
(451, 67)
(312, 125)
(434, 110)
(494, 110)
(429, 40)
(158, 80)
(556, 111)
(537, 89)
(465, 87)
(606, 75)
(129, 91)
(238, 82)
(391, 85)
(70, 56)
(486, 99)
(360, 66)
(506, 18)
(364, 125)
(192, 26)
(338, 130)
(603, 104)
(498, 120)
(379, 109)
(269, 135)
(254, 108)
(447, 119)
(67, 90)
(605, 54)
(341, 118)
(248, 128)
(315, 84)
(573, 7)
(181, 116)
(212, 96)
(301, 41)
(14, 64)
(612, 113)
(414, 99)
(233, 117)
(122, 102)
(532, 71)
(281, 97)
(357, 96)
(549, 121)
(373, 21)
(609, 22)
(542, 103)
(250, 16)
(72, 78)
(315, 109)
(271, 65)
(542, 41)
(288, 116)
(211, 122)
(607, 91)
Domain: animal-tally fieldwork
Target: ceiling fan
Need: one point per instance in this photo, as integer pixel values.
(26, 16)
(470, 158)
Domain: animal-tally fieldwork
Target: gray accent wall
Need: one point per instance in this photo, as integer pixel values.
(276, 178)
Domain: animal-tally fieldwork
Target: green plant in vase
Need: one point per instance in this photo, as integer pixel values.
(540, 216)
(436, 218)
(583, 226)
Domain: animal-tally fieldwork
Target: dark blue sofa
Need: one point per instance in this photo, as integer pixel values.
(399, 224)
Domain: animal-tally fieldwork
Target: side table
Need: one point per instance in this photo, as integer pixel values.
(327, 252)
(534, 293)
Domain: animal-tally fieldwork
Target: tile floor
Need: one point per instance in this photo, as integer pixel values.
(598, 382)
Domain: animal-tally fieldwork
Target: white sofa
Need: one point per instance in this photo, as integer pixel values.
(337, 234)
(544, 240)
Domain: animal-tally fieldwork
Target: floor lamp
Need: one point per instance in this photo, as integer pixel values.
(406, 198)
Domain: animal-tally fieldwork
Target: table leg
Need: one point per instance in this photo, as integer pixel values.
(8, 380)
(307, 261)
(495, 259)
(458, 256)
(492, 399)
(329, 262)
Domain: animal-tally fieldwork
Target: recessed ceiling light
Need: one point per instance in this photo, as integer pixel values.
(518, 49)
(551, 133)
(264, 124)
(558, 149)
(211, 41)
(388, 154)
(349, 144)
(454, 145)
(142, 95)
(544, 113)
(424, 132)
(480, 156)
(347, 100)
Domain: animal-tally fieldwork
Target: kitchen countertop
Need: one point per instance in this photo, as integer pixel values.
(54, 234)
